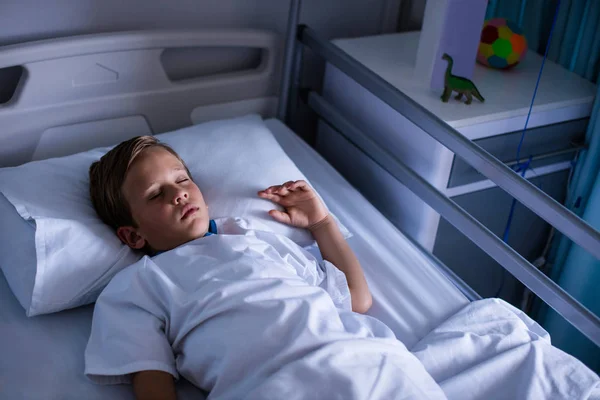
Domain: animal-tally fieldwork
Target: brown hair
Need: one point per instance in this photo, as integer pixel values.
(107, 176)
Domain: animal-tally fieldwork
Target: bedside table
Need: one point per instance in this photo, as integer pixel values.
(557, 123)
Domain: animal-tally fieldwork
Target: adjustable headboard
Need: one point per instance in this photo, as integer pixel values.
(82, 92)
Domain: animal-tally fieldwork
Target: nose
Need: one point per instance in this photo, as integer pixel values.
(180, 195)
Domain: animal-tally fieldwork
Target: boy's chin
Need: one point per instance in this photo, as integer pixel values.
(197, 233)
(199, 226)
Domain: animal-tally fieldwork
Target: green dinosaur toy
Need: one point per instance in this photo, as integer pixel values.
(458, 84)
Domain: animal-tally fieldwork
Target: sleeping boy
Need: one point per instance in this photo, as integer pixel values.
(237, 310)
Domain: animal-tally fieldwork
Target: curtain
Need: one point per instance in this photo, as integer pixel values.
(573, 268)
(575, 45)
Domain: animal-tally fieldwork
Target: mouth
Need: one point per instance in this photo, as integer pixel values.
(188, 211)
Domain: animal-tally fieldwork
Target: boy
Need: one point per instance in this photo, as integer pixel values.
(238, 311)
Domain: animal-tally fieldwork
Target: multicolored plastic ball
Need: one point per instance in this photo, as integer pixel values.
(502, 44)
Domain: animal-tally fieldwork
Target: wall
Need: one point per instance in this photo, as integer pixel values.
(24, 20)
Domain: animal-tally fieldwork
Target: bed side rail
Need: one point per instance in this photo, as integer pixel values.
(551, 293)
(527, 193)
(532, 197)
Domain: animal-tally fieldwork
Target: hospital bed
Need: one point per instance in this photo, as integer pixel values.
(84, 92)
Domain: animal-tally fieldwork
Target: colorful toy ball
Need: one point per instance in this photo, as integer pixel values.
(502, 44)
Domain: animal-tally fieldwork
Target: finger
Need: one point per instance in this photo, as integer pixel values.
(271, 189)
(269, 196)
(286, 185)
(302, 185)
(280, 216)
(293, 186)
(282, 191)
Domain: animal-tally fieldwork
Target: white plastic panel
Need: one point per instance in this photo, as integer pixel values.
(53, 82)
(63, 140)
(265, 106)
(111, 76)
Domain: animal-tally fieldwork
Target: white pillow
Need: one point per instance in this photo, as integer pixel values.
(77, 254)
(17, 249)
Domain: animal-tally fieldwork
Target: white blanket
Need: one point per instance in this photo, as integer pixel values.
(491, 350)
(248, 314)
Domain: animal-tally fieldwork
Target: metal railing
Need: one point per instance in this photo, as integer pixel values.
(551, 293)
(528, 194)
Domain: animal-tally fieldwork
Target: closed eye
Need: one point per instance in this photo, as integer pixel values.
(155, 195)
(183, 180)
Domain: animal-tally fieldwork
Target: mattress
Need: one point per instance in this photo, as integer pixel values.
(42, 357)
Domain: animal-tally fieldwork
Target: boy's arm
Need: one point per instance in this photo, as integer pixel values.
(304, 209)
(153, 385)
(336, 250)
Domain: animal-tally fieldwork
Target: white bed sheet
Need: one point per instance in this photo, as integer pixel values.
(410, 294)
(492, 350)
(42, 357)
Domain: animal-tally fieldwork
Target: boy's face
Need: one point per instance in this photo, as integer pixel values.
(165, 203)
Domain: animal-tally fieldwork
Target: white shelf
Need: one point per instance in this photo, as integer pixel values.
(561, 94)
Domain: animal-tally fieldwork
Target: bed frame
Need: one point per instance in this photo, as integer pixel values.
(300, 36)
(115, 86)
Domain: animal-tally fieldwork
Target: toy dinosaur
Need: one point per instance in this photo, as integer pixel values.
(458, 84)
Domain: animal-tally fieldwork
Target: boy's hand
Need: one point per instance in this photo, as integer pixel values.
(303, 208)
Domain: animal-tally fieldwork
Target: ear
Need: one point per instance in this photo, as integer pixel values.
(130, 237)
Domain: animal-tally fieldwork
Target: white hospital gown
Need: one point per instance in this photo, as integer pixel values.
(248, 314)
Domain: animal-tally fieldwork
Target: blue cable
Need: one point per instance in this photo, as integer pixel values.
(537, 84)
(521, 168)
(525, 166)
